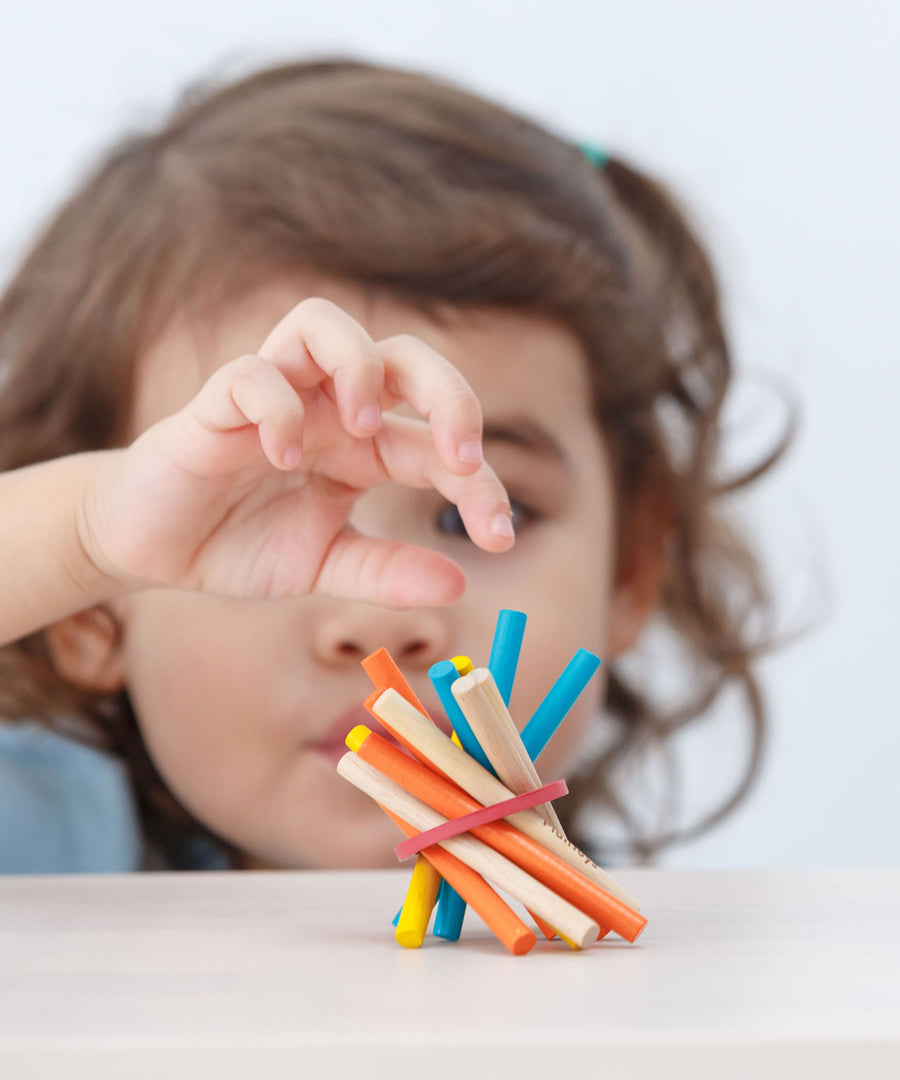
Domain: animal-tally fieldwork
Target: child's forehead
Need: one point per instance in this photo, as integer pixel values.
(517, 362)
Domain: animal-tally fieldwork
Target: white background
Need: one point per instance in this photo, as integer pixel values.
(778, 123)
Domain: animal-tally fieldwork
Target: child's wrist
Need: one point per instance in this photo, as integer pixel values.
(92, 570)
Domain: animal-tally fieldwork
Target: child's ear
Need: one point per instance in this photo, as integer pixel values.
(85, 649)
(640, 571)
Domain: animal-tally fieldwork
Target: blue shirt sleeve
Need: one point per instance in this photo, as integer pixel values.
(64, 807)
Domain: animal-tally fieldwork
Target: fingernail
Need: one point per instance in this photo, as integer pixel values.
(470, 451)
(501, 525)
(368, 417)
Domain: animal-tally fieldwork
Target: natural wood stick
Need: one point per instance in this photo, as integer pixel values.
(478, 697)
(562, 915)
(432, 746)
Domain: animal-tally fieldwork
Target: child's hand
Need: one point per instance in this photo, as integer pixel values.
(246, 492)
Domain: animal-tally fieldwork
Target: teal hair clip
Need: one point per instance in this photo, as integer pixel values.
(596, 155)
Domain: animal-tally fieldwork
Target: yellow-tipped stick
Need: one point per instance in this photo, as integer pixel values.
(418, 905)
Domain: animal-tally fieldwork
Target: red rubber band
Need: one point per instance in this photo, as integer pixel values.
(455, 826)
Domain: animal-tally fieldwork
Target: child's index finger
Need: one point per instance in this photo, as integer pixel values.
(428, 382)
(313, 340)
(408, 455)
(316, 341)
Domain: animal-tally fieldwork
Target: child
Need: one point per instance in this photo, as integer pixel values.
(243, 376)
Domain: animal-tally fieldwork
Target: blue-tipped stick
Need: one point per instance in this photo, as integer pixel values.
(451, 906)
(562, 696)
(451, 910)
(505, 650)
(443, 675)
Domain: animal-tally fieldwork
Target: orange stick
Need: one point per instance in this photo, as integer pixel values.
(545, 928)
(382, 670)
(384, 673)
(451, 801)
(476, 892)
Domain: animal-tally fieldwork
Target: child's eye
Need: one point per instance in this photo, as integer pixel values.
(451, 524)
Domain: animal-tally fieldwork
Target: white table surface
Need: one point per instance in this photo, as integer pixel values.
(265, 974)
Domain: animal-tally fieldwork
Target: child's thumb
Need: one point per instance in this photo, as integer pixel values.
(390, 574)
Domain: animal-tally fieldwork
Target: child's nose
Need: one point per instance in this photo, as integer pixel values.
(349, 632)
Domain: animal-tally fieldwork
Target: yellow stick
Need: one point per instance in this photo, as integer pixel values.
(417, 907)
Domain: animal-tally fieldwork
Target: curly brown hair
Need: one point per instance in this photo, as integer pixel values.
(402, 182)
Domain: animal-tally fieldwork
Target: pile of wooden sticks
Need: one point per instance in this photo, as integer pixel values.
(481, 821)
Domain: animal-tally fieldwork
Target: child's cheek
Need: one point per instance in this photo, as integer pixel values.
(192, 714)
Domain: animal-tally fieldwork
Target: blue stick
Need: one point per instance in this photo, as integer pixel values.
(562, 696)
(443, 675)
(451, 910)
(505, 650)
(451, 906)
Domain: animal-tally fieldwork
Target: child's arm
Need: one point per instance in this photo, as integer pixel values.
(247, 491)
(45, 572)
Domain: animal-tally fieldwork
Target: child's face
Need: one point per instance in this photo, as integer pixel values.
(244, 705)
